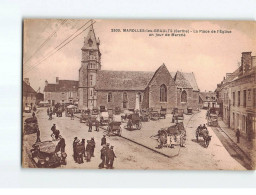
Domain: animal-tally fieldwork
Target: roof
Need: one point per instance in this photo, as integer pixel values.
(63, 86)
(27, 88)
(90, 36)
(180, 81)
(203, 96)
(190, 77)
(122, 80)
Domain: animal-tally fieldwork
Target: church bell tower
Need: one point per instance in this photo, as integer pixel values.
(90, 64)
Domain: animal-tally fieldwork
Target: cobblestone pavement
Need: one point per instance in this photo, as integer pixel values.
(133, 156)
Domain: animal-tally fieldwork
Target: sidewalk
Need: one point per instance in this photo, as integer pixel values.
(244, 145)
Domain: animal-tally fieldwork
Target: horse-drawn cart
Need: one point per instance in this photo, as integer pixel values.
(144, 115)
(104, 118)
(204, 133)
(154, 115)
(114, 128)
(134, 122)
(163, 113)
(212, 120)
(178, 114)
(84, 116)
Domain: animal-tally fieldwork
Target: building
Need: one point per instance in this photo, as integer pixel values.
(63, 92)
(237, 94)
(131, 89)
(208, 100)
(29, 94)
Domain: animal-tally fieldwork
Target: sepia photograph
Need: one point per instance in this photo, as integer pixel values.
(138, 94)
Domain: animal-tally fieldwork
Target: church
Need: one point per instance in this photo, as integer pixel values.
(131, 89)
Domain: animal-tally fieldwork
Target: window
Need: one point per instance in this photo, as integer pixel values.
(183, 96)
(110, 97)
(91, 92)
(249, 94)
(140, 97)
(91, 77)
(238, 98)
(244, 99)
(124, 104)
(234, 98)
(125, 99)
(163, 93)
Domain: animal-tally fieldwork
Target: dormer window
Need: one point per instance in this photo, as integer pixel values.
(90, 42)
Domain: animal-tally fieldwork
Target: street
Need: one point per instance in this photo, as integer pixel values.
(135, 156)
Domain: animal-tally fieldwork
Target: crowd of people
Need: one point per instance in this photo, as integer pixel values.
(83, 152)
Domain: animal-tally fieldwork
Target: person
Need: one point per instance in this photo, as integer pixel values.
(103, 140)
(76, 140)
(90, 125)
(237, 136)
(33, 114)
(111, 156)
(48, 111)
(102, 156)
(62, 144)
(50, 115)
(71, 114)
(56, 133)
(53, 127)
(83, 143)
(107, 157)
(168, 141)
(204, 127)
(38, 135)
(92, 142)
(182, 139)
(88, 151)
(97, 125)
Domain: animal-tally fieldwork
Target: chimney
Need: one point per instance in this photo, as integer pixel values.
(46, 82)
(246, 61)
(57, 80)
(26, 80)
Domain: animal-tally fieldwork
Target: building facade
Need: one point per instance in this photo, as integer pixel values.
(237, 93)
(208, 100)
(29, 94)
(131, 89)
(63, 92)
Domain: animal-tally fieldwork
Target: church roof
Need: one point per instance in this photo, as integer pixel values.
(181, 81)
(63, 86)
(122, 80)
(190, 77)
(90, 38)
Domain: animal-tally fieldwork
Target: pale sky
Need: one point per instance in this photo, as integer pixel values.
(209, 56)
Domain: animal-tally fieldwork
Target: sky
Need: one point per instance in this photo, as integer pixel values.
(208, 55)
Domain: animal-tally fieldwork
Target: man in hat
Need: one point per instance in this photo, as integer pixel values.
(111, 156)
(237, 136)
(75, 142)
(93, 144)
(88, 151)
(103, 140)
(107, 157)
(62, 144)
(90, 125)
(97, 125)
(83, 143)
(103, 156)
(33, 114)
(38, 135)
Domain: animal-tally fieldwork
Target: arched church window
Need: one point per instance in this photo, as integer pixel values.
(163, 93)
(109, 97)
(183, 96)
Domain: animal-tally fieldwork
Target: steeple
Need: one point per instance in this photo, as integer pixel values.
(90, 41)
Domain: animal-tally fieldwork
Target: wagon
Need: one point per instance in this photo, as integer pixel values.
(45, 156)
(84, 116)
(176, 133)
(204, 133)
(144, 115)
(212, 120)
(163, 113)
(30, 125)
(114, 128)
(104, 118)
(134, 122)
(178, 114)
(126, 114)
(189, 111)
(154, 115)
